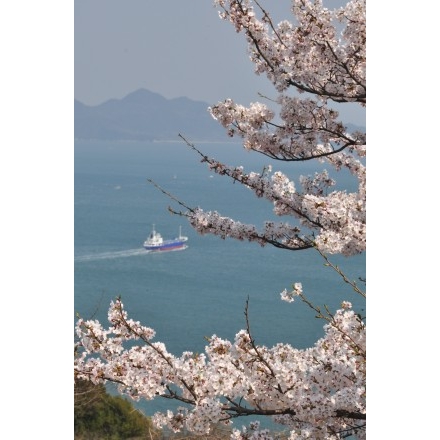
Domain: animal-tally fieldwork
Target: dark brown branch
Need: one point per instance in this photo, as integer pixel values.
(289, 158)
(174, 396)
(254, 346)
(350, 414)
(339, 271)
(170, 195)
(252, 341)
(269, 20)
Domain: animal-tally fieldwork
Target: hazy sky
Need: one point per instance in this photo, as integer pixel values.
(172, 47)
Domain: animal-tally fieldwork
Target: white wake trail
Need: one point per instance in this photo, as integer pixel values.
(111, 255)
(123, 254)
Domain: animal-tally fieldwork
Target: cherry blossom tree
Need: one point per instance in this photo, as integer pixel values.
(314, 61)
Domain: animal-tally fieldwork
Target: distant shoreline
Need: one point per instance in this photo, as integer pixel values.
(155, 141)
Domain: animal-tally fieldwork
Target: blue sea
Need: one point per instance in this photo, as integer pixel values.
(194, 293)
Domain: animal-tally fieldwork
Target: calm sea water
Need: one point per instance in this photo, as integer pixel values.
(202, 290)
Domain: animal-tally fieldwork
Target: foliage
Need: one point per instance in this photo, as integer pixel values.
(99, 416)
(319, 392)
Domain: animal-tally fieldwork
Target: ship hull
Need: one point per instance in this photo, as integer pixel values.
(166, 246)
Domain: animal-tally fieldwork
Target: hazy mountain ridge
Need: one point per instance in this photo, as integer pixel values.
(146, 116)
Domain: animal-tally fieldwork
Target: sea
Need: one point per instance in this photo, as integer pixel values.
(191, 294)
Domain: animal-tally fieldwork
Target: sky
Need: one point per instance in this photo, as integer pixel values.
(171, 47)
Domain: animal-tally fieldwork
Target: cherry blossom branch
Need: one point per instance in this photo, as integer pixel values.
(267, 19)
(254, 346)
(329, 317)
(300, 243)
(160, 353)
(339, 271)
(340, 84)
(170, 196)
(237, 176)
(214, 400)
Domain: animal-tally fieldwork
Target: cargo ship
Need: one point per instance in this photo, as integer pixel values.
(155, 242)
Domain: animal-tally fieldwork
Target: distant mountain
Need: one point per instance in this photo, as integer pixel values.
(146, 116)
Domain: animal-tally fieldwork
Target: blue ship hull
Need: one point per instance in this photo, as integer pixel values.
(167, 245)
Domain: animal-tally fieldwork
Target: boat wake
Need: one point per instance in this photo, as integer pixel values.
(123, 254)
(111, 255)
(163, 251)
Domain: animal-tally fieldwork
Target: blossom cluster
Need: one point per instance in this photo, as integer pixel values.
(319, 390)
(338, 218)
(327, 64)
(311, 55)
(290, 296)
